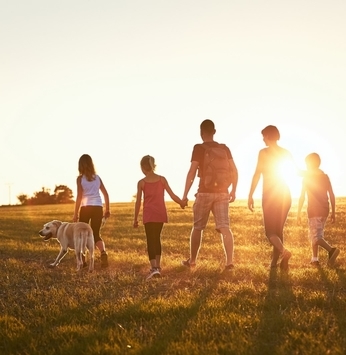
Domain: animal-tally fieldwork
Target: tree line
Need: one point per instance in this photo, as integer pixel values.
(61, 194)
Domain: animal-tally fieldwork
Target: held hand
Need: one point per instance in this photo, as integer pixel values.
(184, 203)
(250, 204)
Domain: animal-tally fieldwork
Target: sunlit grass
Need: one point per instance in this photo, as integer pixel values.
(201, 311)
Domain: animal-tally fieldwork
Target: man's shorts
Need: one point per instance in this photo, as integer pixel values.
(217, 203)
(316, 228)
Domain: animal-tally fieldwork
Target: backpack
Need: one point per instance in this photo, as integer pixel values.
(216, 170)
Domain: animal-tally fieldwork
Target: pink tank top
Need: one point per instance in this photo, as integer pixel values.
(154, 208)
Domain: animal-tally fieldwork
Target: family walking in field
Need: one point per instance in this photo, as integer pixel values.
(213, 164)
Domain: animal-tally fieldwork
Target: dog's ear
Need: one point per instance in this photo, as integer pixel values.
(56, 223)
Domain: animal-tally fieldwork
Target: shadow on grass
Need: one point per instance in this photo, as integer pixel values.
(277, 301)
(335, 297)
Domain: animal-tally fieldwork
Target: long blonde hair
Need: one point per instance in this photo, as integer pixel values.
(148, 163)
(86, 167)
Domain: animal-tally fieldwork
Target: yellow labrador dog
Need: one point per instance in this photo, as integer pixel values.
(78, 236)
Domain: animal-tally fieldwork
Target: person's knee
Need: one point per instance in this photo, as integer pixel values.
(225, 232)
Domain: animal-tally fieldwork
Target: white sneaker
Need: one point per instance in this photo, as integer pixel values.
(153, 273)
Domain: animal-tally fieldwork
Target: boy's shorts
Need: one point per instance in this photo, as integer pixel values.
(217, 203)
(316, 228)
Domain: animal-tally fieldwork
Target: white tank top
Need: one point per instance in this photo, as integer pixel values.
(91, 192)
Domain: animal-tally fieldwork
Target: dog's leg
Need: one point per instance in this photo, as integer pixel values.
(79, 259)
(60, 256)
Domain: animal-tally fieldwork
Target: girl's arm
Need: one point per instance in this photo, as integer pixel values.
(138, 203)
(173, 196)
(78, 199)
(106, 197)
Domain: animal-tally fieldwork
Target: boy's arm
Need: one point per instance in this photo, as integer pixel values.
(332, 201)
(301, 203)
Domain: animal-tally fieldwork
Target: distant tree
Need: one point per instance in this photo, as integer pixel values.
(22, 199)
(42, 197)
(62, 194)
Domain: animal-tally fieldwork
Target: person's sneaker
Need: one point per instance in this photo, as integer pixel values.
(286, 255)
(104, 259)
(187, 263)
(229, 267)
(154, 272)
(315, 263)
(333, 254)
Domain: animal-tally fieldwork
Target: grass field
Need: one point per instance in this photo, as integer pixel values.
(250, 310)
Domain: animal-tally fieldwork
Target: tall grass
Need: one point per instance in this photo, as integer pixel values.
(250, 310)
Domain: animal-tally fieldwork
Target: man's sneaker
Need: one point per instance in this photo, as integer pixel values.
(187, 263)
(228, 268)
(315, 263)
(286, 255)
(104, 259)
(333, 254)
(154, 272)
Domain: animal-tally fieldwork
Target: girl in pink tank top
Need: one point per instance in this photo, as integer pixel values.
(152, 188)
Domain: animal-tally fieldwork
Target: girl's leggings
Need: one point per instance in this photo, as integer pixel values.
(153, 234)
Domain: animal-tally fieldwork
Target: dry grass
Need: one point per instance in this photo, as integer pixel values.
(115, 311)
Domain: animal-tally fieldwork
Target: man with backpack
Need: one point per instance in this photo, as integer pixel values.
(217, 172)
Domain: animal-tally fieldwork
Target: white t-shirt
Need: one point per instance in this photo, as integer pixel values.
(91, 192)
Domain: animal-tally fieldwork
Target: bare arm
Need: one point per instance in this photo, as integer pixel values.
(190, 178)
(235, 180)
(173, 196)
(106, 198)
(332, 202)
(138, 203)
(255, 179)
(78, 199)
(301, 203)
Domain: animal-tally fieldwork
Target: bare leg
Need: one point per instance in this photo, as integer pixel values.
(324, 245)
(277, 243)
(275, 257)
(195, 244)
(101, 245)
(158, 261)
(314, 250)
(228, 242)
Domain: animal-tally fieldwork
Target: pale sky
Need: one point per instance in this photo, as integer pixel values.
(122, 79)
